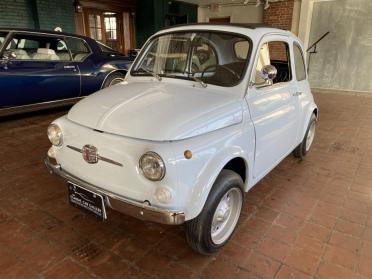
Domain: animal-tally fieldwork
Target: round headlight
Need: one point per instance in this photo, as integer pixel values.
(55, 134)
(152, 166)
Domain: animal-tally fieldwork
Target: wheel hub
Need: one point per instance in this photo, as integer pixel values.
(226, 216)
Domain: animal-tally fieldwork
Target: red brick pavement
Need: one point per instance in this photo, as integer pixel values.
(309, 219)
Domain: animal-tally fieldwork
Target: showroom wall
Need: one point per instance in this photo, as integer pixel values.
(16, 13)
(153, 15)
(38, 14)
(344, 58)
(237, 13)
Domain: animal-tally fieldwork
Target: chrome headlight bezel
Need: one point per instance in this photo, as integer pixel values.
(146, 160)
(55, 135)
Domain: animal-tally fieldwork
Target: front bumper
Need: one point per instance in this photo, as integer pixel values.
(132, 208)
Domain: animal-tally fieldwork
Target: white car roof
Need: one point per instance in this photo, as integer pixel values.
(253, 31)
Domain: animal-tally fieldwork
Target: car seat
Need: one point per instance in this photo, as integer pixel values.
(21, 54)
(45, 54)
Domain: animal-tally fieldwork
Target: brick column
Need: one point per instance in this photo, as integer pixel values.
(279, 14)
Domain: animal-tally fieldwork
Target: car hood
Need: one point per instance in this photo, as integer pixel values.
(158, 111)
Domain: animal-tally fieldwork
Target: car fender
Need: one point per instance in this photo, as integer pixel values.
(308, 112)
(201, 191)
(210, 158)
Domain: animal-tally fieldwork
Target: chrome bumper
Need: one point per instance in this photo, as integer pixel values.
(135, 209)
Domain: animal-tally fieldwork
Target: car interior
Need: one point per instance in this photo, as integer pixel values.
(45, 48)
(275, 54)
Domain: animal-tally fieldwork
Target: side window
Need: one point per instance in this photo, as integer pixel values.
(274, 53)
(241, 49)
(43, 48)
(299, 62)
(78, 48)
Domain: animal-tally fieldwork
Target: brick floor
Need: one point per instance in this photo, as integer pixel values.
(309, 219)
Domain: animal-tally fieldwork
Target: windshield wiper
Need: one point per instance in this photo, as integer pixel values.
(155, 75)
(202, 83)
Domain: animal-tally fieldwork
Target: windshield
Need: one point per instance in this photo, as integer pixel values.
(2, 37)
(210, 57)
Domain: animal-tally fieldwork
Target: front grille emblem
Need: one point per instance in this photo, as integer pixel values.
(90, 154)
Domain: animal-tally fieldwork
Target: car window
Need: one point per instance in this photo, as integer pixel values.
(274, 53)
(199, 56)
(299, 63)
(204, 56)
(44, 48)
(105, 48)
(78, 48)
(2, 37)
(241, 49)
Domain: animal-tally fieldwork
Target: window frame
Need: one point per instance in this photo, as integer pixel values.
(6, 40)
(296, 44)
(253, 71)
(11, 35)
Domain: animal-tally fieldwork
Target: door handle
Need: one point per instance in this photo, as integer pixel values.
(70, 67)
(298, 93)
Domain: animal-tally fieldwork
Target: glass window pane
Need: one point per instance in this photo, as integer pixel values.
(189, 55)
(44, 48)
(241, 49)
(78, 48)
(299, 63)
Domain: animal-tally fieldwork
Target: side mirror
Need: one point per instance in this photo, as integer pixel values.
(268, 72)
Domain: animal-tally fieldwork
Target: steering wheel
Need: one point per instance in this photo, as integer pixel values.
(223, 67)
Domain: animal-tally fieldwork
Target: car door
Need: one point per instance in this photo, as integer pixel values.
(41, 70)
(303, 86)
(273, 105)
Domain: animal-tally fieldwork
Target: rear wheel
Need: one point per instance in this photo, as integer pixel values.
(113, 79)
(213, 227)
(304, 147)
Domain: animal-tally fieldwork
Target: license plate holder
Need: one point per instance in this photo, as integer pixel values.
(87, 200)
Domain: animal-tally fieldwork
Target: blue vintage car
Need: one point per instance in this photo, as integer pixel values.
(40, 69)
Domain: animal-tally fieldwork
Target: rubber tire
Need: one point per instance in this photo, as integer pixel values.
(300, 150)
(198, 230)
(111, 77)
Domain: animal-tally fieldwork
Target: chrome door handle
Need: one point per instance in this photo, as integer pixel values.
(298, 93)
(70, 67)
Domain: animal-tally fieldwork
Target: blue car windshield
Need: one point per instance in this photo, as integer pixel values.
(212, 57)
(2, 37)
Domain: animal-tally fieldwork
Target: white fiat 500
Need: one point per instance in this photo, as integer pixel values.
(205, 112)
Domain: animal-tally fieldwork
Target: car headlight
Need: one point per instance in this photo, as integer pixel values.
(55, 135)
(152, 166)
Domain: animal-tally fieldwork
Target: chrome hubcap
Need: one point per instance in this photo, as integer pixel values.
(226, 216)
(116, 81)
(310, 136)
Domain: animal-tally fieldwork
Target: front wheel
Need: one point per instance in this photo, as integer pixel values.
(213, 227)
(304, 147)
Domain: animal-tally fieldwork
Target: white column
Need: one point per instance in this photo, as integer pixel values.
(305, 21)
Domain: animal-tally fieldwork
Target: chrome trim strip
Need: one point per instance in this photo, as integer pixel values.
(107, 160)
(38, 106)
(140, 210)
